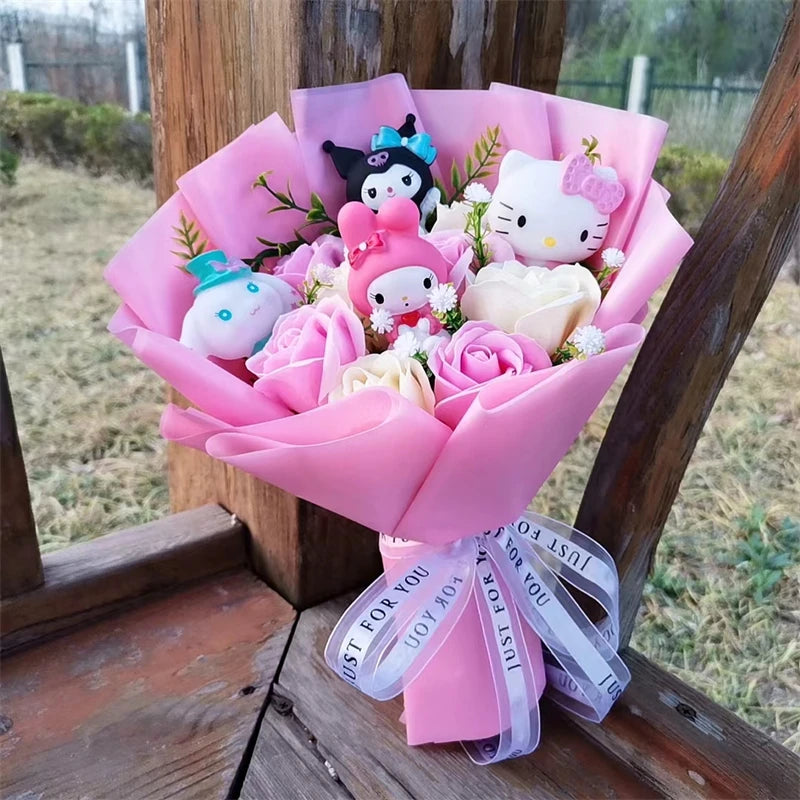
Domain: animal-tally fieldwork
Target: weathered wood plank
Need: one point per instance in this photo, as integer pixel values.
(289, 764)
(21, 564)
(688, 746)
(698, 332)
(364, 743)
(158, 702)
(91, 578)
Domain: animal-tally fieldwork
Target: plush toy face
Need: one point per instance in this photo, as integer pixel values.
(402, 290)
(398, 181)
(229, 319)
(542, 222)
(398, 165)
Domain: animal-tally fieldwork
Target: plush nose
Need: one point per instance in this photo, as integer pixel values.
(549, 241)
(390, 191)
(405, 298)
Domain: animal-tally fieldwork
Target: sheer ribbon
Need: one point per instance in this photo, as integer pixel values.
(516, 574)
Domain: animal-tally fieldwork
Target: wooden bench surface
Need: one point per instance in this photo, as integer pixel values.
(158, 701)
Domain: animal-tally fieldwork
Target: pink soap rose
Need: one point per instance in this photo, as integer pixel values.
(297, 267)
(478, 353)
(301, 362)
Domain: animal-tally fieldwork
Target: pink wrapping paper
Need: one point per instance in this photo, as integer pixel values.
(481, 459)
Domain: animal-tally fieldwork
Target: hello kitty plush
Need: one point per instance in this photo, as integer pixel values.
(234, 309)
(553, 212)
(392, 269)
(398, 165)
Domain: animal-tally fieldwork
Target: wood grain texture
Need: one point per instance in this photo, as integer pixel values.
(90, 579)
(206, 89)
(21, 563)
(158, 702)
(698, 333)
(218, 66)
(364, 743)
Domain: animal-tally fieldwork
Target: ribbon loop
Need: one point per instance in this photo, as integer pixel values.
(388, 635)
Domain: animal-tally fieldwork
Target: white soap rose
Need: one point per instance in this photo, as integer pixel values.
(544, 304)
(404, 375)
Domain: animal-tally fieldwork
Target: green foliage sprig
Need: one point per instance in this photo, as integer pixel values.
(484, 158)
(565, 353)
(310, 290)
(188, 237)
(590, 150)
(477, 232)
(422, 357)
(315, 215)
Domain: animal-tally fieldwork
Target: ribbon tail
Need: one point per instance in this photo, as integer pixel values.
(512, 672)
(396, 626)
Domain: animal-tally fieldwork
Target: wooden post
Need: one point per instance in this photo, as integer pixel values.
(698, 332)
(20, 561)
(216, 67)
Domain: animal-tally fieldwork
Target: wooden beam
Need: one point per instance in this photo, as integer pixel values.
(21, 563)
(698, 332)
(215, 68)
(94, 578)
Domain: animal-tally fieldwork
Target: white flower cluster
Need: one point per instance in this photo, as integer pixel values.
(443, 298)
(381, 320)
(324, 274)
(589, 341)
(407, 345)
(613, 257)
(477, 193)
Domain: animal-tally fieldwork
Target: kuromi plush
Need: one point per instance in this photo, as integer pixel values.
(398, 165)
(553, 212)
(392, 269)
(235, 309)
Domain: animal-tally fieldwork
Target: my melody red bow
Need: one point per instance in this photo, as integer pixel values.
(580, 178)
(375, 242)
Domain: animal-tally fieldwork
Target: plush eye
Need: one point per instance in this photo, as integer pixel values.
(427, 283)
(379, 298)
(407, 179)
(584, 235)
(253, 288)
(521, 221)
(373, 193)
(224, 314)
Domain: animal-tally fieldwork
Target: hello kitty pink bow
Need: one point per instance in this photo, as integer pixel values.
(606, 194)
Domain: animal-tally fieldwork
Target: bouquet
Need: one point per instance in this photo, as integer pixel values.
(405, 311)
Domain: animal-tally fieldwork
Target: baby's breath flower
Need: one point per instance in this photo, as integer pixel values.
(406, 345)
(588, 340)
(613, 257)
(382, 321)
(324, 274)
(477, 193)
(443, 298)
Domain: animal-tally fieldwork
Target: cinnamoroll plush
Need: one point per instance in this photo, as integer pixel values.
(544, 304)
(234, 308)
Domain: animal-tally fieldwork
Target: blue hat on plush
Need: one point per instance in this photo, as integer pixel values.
(213, 268)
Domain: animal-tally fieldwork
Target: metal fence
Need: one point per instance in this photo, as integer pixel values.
(707, 116)
(72, 58)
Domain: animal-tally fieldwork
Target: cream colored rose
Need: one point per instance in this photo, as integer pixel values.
(543, 304)
(451, 218)
(403, 374)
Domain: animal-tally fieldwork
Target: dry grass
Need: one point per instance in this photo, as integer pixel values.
(88, 413)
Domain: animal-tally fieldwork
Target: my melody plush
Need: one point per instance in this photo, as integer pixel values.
(234, 309)
(398, 165)
(392, 268)
(553, 212)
